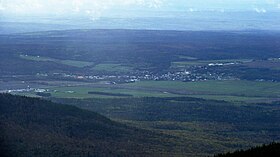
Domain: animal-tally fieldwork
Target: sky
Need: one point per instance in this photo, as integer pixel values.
(95, 9)
(143, 14)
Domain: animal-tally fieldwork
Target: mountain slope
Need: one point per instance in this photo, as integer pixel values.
(33, 127)
(271, 150)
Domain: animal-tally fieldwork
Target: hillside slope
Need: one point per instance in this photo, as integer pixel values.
(33, 127)
(271, 150)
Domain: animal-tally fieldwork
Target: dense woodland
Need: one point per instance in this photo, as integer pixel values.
(271, 150)
(142, 50)
(210, 126)
(31, 127)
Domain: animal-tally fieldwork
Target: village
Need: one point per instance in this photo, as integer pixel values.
(198, 73)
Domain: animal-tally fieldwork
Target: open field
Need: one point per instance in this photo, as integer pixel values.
(227, 88)
(235, 98)
(112, 68)
(79, 64)
(195, 62)
(237, 90)
(273, 64)
(82, 92)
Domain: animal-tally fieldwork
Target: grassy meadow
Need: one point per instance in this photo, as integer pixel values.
(74, 63)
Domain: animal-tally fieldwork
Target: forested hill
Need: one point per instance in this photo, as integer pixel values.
(30, 127)
(271, 150)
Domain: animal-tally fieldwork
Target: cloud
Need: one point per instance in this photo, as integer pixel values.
(2, 8)
(92, 8)
(95, 9)
(155, 3)
(208, 10)
(192, 10)
(260, 10)
(274, 3)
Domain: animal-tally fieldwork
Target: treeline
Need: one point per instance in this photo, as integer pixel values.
(110, 94)
(31, 127)
(271, 150)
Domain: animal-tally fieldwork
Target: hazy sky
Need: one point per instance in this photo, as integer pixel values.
(98, 8)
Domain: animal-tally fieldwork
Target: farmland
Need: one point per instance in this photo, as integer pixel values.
(234, 88)
(216, 91)
(113, 68)
(79, 64)
(237, 90)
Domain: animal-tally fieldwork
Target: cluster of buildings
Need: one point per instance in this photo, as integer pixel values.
(184, 75)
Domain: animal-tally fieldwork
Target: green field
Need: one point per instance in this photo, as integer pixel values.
(273, 64)
(112, 68)
(74, 63)
(187, 57)
(221, 90)
(233, 98)
(193, 62)
(82, 92)
(236, 87)
(236, 90)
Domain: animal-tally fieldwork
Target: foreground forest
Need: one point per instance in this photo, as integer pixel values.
(31, 127)
(271, 150)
